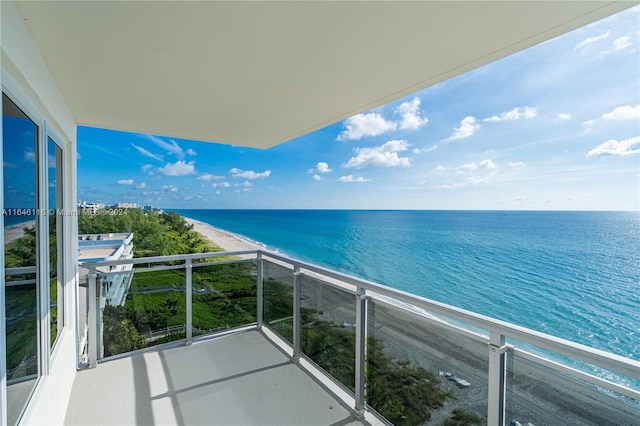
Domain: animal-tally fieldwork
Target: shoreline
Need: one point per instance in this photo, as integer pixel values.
(13, 232)
(534, 394)
(221, 238)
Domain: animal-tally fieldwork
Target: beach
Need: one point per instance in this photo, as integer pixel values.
(534, 394)
(223, 239)
(13, 232)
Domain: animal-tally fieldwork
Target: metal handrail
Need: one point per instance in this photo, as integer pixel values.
(606, 360)
(364, 290)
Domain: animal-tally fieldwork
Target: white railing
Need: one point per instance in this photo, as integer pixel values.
(501, 338)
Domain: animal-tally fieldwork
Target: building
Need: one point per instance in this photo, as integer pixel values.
(127, 205)
(102, 247)
(91, 208)
(188, 70)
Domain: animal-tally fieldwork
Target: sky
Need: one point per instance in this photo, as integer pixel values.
(554, 127)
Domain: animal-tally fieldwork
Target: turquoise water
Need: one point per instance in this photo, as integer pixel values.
(574, 275)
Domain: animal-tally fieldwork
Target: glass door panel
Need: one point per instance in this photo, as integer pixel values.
(20, 139)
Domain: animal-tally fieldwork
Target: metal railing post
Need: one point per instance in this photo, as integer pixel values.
(259, 292)
(297, 326)
(189, 312)
(361, 344)
(497, 379)
(92, 318)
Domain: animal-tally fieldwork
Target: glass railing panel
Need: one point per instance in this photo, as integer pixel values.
(328, 328)
(137, 310)
(541, 395)
(421, 371)
(278, 299)
(224, 296)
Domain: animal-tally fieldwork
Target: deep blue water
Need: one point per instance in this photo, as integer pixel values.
(575, 275)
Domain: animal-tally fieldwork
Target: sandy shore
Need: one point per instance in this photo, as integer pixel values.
(223, 239)
(534, 394)
(13, 232)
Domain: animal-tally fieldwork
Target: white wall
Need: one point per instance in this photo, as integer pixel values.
(25, 74)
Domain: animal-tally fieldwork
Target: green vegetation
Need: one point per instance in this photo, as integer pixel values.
(403, 394)
(119, 335)
(20, 305)
(461, 417)
(155, 234)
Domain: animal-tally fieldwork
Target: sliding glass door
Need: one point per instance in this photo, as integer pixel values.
(21, 260)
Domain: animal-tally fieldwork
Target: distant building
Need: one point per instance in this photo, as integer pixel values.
(127, 205)
(90, 209)
(102, 247)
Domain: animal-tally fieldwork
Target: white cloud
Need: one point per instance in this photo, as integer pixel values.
(146, 168)
(468, 126)
(587, 42)
(171, 147)
(472, 167)
(146, 153)
(221, 184)
(383, 156)
(411, 116)
(169, 188)
(317, 177)
(626, 147)
(125, 182)
(352, 178)
(248, 174)
(141, 186)
(439, 168)
(517, 165)
(621, 43)
(515, 114)
(30, 156)
(179, 168)
(209, 176)
(320, 167)
(217, 192)
(363, 125)
(426, 149)
(564, 116)
(488, 164)
(191, 152)
(469, 167)
(623, 113)
(626, 112)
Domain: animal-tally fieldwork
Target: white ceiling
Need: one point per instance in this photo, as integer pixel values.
(261, 73)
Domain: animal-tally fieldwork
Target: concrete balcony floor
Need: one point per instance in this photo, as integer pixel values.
(241, 378)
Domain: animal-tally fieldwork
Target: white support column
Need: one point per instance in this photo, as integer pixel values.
(361, 344)
(259, 293)
(297, 326)
(92, 318)
(189, 301)
(497, 379)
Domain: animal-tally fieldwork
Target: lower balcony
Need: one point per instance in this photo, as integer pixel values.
(259, 338)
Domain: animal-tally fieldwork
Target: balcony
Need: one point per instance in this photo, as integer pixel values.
(255, 337)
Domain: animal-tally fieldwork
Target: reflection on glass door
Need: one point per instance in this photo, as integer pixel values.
(20, 139)
(54, 165)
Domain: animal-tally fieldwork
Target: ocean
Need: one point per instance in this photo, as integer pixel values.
(575, 275)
